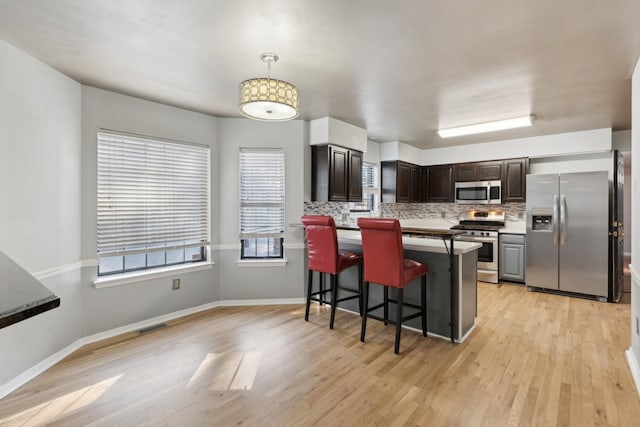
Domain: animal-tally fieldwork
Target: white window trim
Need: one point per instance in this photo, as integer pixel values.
(148, 273)
(258, 261)
(144, 275)
(266, 262)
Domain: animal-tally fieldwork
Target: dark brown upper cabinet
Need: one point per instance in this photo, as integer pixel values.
(439, 181)
(336, 174)
(355, 176)
(401, 182)
(514, 180)
(479, 171)
(417, 190)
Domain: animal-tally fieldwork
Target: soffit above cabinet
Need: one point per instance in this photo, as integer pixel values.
(328, 130)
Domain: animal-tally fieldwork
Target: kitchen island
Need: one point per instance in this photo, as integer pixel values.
(445, 302)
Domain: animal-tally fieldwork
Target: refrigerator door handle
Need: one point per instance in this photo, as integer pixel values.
(554, 220)
(563, 219)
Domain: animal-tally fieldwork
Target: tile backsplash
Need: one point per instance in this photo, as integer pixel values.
(513, 211)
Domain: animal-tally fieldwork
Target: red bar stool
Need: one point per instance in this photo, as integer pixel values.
(384, 264)
(325, 257)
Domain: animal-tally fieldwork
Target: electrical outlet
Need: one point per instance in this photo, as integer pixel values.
(176, 283)
(443, 214)
(520, 215)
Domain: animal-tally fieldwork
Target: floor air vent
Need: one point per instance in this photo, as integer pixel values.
(151, 328)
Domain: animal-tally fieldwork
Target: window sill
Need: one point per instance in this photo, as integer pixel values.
(280, 262)
(139, 276)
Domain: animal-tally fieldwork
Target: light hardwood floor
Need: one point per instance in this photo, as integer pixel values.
(534, 359)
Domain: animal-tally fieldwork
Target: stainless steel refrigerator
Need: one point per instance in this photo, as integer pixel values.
(567, 245)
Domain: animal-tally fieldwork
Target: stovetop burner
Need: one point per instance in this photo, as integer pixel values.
(481, 221)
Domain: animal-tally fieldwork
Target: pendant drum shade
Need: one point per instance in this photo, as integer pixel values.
(268, 99)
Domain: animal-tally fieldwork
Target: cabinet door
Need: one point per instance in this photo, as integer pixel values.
(338, 174)
(355, 176)
(489, 171)
(416, 183)
(511, 262)
(465, 172)
(388, 178)
(440, 183)
(403, 183)
(514, 180)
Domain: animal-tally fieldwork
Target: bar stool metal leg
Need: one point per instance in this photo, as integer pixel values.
(398, 321)
(423, 297)
(334, 298)
(360, 276)
(306, 312)
(386, 304)
(365, 304)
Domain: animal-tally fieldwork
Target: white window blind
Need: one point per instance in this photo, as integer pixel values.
(261, 193)
(152, 195)
(369, 172)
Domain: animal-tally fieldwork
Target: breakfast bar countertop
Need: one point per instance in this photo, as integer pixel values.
(422, 244)
(21, 295)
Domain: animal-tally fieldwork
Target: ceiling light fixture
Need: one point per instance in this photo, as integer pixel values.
(488, 127)
(268, 99)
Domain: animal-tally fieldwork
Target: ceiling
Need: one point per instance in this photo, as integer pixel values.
(400, 69)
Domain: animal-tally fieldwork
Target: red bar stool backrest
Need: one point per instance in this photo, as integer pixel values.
(322, 243)
(382, 250)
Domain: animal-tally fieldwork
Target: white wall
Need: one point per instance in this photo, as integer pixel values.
(372, 155)
(107, 308)
(244, 281)
(635, 222)
(40, 195)
(575, 163)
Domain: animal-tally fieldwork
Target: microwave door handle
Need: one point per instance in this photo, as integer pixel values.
(563, 219)
(554, 220)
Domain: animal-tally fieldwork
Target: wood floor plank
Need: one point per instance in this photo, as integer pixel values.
(534, 359)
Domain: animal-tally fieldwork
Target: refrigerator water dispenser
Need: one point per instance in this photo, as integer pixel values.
(541, 222)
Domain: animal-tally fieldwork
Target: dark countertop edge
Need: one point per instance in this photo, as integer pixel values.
(24, 312)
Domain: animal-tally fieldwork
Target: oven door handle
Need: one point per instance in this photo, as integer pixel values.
(478, 239)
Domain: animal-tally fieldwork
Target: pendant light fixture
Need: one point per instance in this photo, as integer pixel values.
(268, 99)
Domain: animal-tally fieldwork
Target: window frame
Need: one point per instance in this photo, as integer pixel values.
(203, 185)
(373, 191)
(272, 240)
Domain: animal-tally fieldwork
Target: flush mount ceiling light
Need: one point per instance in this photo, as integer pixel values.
(268, 99)
(488, 127)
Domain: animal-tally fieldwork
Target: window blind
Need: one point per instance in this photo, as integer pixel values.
(261, 193)
(152, 194)
(369, 175)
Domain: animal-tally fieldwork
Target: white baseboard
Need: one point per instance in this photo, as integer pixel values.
(634, 367)
(241, 302)
(47, 363)
(39, 368)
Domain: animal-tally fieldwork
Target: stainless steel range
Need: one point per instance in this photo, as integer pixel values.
(482, 227)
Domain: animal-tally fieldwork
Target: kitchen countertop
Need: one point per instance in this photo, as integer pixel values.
(514, 227)
(435, 245)
(510, 227)
(21, 295)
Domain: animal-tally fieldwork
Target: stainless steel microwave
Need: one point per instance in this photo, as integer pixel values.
(479, 192)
